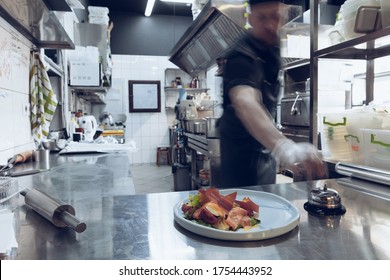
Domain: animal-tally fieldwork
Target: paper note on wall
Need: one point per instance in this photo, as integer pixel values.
(14, 60)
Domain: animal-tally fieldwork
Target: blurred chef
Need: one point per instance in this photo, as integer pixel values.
(251, 146)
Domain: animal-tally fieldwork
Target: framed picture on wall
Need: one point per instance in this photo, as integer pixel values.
(144, 96)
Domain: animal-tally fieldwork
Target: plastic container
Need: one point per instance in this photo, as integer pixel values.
(349, 12)
(385, 13)
(333, 128)
(377, 148)
(355, 142)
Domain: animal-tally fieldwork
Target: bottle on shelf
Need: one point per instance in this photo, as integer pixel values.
(178, 81)
(195, 83)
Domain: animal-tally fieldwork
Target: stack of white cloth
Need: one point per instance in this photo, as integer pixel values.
(98, 15)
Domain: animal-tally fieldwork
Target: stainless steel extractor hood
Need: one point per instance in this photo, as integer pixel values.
(213, 32)
(35, 19)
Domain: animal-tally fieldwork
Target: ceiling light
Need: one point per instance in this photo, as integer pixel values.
(149, 8)
(178, 1)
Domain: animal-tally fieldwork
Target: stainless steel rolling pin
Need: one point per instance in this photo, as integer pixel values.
(363, 172)
(55, 211)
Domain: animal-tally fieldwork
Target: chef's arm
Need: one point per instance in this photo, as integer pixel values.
(247, 106)
(299, 157)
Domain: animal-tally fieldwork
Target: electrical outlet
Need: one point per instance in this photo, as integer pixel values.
(26, 109)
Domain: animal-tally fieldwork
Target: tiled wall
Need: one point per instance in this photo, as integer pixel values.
(147, 130)
(15, 135)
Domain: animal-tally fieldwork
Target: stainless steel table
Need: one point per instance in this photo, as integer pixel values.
(125, 226)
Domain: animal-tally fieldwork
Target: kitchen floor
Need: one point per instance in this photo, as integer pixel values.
(150, 178)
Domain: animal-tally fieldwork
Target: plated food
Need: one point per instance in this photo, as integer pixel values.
(225, 212)
(278, 216)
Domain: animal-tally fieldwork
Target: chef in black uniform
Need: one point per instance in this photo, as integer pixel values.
(251, 146)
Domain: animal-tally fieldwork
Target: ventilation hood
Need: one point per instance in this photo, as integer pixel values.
(213, 33)
(35, 19)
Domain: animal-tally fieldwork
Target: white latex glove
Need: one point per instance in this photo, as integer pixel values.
(302, 159)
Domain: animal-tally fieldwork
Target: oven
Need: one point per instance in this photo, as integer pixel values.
(295, 116)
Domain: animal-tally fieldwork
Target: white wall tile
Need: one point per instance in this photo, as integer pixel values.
(146, 130)
(140, 125)
(7, 120)
(137, 157)
(21, 121)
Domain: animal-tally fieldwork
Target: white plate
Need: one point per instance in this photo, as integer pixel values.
(278, 216)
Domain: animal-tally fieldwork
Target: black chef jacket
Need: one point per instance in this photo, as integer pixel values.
(244, 161)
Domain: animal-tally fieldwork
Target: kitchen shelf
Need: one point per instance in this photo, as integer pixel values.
(172, 93)
(290, 63)
(367, 47)
(377, 45)
(85, 89)
(186, 89)
(91, 96)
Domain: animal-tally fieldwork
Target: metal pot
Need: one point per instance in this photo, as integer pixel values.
(200, 127)
(54, 145)
(189, 124)
(212, 130)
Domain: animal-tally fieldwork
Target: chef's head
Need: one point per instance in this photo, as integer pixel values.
(265, 17)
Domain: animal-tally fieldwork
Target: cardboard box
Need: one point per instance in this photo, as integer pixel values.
(84, 73)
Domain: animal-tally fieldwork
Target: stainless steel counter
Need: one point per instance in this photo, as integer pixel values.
(125, 226)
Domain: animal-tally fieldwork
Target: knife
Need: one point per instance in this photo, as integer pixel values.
(24, 172)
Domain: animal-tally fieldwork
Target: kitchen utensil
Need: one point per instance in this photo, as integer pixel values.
(189, 124)
(90, 126)
(9, 164)
(8, 188)
(199, 127)
(106, 119)
(55, 211)
(42, 157)
(54, 145)
(324, 201)
(24, 172)
(212, 130)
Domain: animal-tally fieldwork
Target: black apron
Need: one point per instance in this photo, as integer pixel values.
(244, 161)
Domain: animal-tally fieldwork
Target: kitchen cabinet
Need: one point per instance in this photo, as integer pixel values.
(172, 90)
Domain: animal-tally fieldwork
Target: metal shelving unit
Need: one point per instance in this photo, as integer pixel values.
(366, 47)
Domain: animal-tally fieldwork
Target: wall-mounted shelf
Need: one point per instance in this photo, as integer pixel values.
(172, 93)
(85, 89)
(92, 97)
(186, 89)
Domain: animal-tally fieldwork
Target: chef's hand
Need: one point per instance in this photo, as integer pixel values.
(301, 158)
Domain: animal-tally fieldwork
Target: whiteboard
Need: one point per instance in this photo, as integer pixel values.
(144, 96)
(14, 59)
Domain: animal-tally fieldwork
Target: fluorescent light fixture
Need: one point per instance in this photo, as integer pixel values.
(178, 1)
(149, 8)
